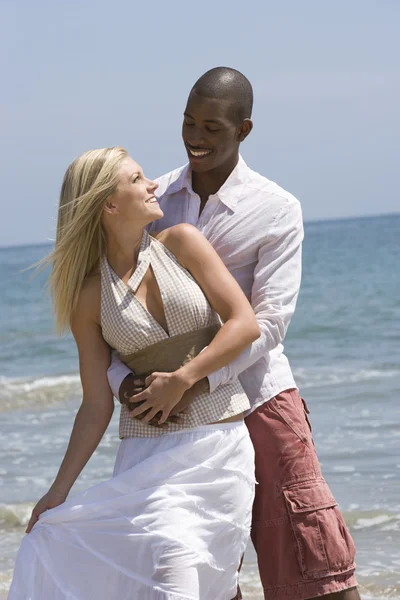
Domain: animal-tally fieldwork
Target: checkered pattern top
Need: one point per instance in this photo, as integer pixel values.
(128, 327)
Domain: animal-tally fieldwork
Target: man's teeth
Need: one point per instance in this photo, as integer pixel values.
(199, 152)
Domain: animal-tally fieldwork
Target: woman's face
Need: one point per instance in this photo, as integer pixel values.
(134, 199)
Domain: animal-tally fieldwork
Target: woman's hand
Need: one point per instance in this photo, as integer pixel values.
(183, 405)
(49, 500)
(162, 394)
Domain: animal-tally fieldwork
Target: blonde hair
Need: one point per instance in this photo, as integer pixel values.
(80, 241)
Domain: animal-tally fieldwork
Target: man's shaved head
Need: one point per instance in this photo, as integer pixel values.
(217, 119)
(227, 84)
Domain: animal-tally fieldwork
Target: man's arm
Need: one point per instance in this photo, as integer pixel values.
(275, 290)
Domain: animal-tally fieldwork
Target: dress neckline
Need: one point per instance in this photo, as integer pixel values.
(133, 283)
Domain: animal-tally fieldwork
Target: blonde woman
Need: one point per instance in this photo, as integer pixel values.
(173, 522)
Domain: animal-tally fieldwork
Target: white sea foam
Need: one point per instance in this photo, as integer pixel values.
(377, 521)
(343, 468)
(15, 515)
(42, 391)
(334, 376)
(5, 581)
(17, 393)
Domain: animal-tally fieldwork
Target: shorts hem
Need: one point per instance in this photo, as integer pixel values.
(312, 589)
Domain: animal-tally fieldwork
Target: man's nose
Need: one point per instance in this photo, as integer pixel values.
(196, 136)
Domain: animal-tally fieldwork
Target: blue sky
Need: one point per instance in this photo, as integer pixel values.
(83, 74)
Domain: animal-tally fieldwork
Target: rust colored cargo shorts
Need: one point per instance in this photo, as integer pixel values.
(303, 546)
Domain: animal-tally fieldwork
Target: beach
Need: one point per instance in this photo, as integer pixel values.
(344, 351)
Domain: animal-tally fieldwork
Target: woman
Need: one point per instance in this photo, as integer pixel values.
(173, 521)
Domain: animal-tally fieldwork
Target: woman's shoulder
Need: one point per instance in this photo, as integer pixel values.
(88, 303)
(181, 240)
(177, 237)
(92, 283)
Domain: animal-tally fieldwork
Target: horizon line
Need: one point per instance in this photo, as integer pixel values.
(308, 221)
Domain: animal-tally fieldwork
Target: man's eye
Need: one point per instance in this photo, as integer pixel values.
(211, 130)
(188, 124)
(136, 179)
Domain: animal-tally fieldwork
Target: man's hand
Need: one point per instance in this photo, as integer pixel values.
(133, 385)
(130, 386)
(162, 394)
(183, 405)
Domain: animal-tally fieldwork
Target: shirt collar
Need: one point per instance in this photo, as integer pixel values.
(229, 193)
(183, 181)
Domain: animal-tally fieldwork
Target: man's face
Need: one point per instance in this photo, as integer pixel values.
(209, 132)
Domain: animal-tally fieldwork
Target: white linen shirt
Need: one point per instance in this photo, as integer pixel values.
(256, 227)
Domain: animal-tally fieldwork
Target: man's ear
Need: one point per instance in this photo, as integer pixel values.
(245, 129)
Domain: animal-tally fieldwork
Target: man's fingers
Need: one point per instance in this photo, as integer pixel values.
(175, 419)
(142, 408)
(154, 422)
(136, 390)
(172, 419)
(139, 397)
(180, 411)
(142, 415)
(164, 417)
(150, 415)
(132, 405)
(131, 386)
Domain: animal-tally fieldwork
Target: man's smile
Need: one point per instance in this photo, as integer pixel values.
(197, 152)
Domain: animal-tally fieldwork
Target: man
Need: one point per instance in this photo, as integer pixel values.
(303, 547)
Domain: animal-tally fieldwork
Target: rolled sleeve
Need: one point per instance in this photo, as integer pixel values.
(116, 373)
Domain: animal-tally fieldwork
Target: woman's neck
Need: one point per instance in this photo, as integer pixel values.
(123, 250)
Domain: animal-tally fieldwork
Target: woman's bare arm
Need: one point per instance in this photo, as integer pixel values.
(224, 295)
(97, 405)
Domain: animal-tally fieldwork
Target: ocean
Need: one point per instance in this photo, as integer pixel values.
(344, 348)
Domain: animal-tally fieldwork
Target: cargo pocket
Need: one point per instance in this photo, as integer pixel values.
(293, 411)
(324, 544)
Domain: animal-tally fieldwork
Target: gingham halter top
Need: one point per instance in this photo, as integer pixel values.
(128, 327)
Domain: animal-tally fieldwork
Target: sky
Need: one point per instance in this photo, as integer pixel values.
(82, 74)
